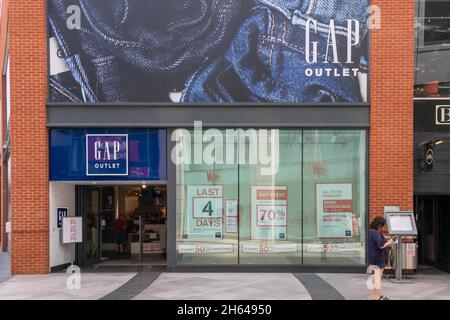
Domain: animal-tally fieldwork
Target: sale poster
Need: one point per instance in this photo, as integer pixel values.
(269, 212)
(334, 247)
(205, 248)
(231, 216)
(334, 209)
(265, 248)
(205, 212)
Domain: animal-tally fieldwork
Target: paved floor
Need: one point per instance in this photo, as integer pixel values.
(148, 284)
(424, 287)
(53, 286)
(226, 286)
(4, 266)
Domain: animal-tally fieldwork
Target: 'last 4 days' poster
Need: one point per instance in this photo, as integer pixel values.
(205, 212)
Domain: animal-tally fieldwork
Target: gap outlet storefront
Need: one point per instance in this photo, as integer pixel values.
(199, 134)
(254, 124)
(253, 197)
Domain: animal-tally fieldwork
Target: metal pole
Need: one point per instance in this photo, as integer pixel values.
(398, 259)
(140, 238)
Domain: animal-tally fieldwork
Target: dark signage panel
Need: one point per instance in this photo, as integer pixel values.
(432, 115)
(61, 213)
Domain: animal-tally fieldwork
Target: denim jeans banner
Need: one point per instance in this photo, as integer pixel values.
(208, 51)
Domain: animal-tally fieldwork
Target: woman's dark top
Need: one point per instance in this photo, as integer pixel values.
(377, 256)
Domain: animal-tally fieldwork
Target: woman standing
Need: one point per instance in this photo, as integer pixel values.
(377, 254)
(121, 233)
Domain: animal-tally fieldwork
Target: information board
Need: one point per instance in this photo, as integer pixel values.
(401, 223)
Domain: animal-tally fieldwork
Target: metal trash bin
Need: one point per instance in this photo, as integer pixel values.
(409, 255)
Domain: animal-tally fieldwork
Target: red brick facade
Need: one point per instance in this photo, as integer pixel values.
(3, 28)
(29, 137)
(391, 133)
(392, 83)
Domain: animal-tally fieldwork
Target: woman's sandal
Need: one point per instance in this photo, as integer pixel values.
(384, 298)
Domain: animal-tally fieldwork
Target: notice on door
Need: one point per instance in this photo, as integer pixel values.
(72, 230)
(334, 209)
(205, 212)
(269, 212)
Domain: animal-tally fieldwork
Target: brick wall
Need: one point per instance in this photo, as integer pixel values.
(392, 80)
(3, 33)
(29, 147)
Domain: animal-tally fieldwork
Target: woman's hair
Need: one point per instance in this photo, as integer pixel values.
(378, 222)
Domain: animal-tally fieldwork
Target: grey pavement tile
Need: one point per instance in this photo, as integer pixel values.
(230, 286)
(210, 286)
(354, 287)
(318, 288)
(53, 287)
(4, 267)
(133, 287)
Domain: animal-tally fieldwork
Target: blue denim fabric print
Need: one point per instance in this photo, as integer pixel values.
(174, 37)
(70, 46)
(212, 50)
(128, 41)
(63, 88)
(266, 62)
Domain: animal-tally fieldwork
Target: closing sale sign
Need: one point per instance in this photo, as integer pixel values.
(269, 213)
(334, 206)
(205, 208)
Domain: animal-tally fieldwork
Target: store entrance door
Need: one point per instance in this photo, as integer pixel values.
(433, 214)
(443, 231)
(123, 225)
(90, 204)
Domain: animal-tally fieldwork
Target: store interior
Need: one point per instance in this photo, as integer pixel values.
(120, 212)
